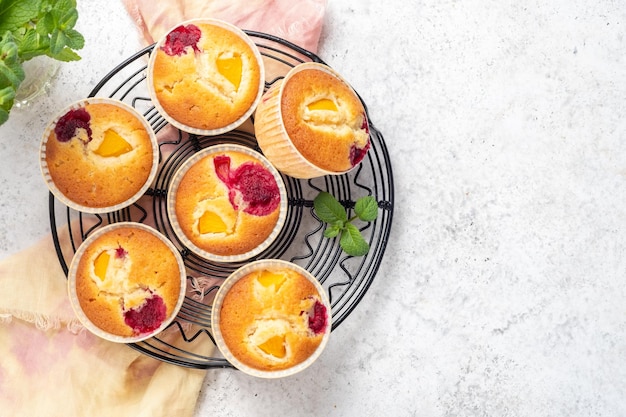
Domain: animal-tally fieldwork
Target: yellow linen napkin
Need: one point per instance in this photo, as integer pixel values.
(52, 366)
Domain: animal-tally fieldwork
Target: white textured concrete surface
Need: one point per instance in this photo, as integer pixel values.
(502, 290)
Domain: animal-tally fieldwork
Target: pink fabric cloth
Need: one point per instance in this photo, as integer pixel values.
(298, 21)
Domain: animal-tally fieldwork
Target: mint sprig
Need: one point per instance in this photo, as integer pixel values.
(30, 28)
(330, 211)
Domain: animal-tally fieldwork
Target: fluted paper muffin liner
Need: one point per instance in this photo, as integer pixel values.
(227, 286)
(175, 221)
(71, 201)
(74, 298)
(195, 130)
(272, 136)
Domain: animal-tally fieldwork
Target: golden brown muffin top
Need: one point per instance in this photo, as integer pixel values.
(123, 271)
(273, 319)
(205, 76)
(227, 203)
(99, 154)
(324, 119)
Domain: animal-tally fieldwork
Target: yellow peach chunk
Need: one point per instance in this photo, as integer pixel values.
(269, 278)
(101, 265)
(211, 222)
(113, 145)
(230, 66)
(274, 346)
(323, 104)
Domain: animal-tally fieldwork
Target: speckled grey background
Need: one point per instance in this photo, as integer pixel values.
(502, 290)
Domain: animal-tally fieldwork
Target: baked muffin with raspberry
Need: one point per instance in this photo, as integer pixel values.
(206, 76)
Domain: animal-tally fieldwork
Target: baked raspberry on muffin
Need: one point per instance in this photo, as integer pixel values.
(99, 155)
(227, 203)
(271, 317)
(206, 76)
(312, 123)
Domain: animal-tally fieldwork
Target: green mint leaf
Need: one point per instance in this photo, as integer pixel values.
(68, 19)
(32, 45)
(52, 19)
(74, 39)
(352, 241)
(8, 49)
(328, 209)
(29, 42)
(4, 115)
(10, 75)
(66, 55)
(58, 41)
(30, 28)
(333, 231)
(46, 25)
(11, 71)
(64, 5)
(16, 13)
(46, 6)
(7, 95)
(366, 208)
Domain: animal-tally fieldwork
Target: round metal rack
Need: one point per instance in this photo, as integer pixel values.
(188, 341)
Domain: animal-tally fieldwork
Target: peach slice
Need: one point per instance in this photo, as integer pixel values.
(323, 104)
(214, 215)
(230, 66)
(101, 265)
(274, 346)
(269, 278)
(211, 222)
(113, 145)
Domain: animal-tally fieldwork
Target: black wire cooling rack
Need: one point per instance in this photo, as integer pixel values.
(188, 341)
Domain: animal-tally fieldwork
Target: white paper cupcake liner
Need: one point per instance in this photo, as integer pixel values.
(66, 200)
(75, 303)
(217, 306)
(190, 129)
(272, 136)
(171, 203)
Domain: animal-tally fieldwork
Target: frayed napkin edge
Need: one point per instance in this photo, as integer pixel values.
(41, 322)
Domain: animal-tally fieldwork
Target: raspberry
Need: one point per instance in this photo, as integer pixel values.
(222, 168)
(319, 319)
(357, 154)
(180, 38)
(147, 317)
(71, 121)
(258, 188)
(255, 184)
(120, 252)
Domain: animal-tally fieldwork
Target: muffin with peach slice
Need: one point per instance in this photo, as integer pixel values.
(227, 203)
(126, 282)
(271, 318)
(99, 155)
(312, 123)
(205, 76)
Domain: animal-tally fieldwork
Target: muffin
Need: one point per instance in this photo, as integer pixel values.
(98, 155)
(271, 318)
(312, 123)
(126, 282)
(227, 203)
(206, 76)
